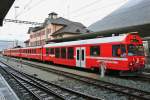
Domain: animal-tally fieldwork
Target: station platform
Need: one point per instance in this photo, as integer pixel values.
(6, 93)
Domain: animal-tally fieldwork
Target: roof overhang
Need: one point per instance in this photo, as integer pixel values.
(5, 5)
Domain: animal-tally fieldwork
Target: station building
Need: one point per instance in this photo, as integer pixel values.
(54, 27)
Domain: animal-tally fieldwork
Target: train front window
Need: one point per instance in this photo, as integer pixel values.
(135, 50)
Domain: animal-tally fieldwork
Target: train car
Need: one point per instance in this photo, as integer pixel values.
(124, 53)
(15, 52)
(7, 52)
(32, 53)
(121, 53)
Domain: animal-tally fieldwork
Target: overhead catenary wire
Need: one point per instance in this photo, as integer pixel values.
(31, 7)
(25, 7)
(96, 9)
(85, 6)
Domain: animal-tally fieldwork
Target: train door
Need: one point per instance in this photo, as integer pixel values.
(80, 57)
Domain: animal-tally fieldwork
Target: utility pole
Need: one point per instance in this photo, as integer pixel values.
(16, 7)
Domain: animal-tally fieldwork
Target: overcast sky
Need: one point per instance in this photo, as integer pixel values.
(84, 11)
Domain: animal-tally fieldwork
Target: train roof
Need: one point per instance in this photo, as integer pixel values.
(32, 47)
(23, 48)
(90, 41)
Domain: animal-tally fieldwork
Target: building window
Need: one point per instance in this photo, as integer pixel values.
(77, 30)
(94, 51)
(63, 52)
(57, 52)
(48, 31)
(70, 53)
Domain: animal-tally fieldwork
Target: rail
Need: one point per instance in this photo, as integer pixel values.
(56, 89)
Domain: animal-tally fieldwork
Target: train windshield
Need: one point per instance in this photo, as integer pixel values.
(135, 50)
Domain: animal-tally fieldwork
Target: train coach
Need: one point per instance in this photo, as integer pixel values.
(124, 53)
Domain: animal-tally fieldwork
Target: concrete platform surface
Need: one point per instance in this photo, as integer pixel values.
(6, 93)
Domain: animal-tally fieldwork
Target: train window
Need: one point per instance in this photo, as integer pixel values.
(51, 50)
(115, 50)
(123, 51)
(135, 50)
(95, 51)
(78, 54)
(57, 52)
(47, 51)
(70, 53)
(35, 51)
(82, 55)
(63, 52)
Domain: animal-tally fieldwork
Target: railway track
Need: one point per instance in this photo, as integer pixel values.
(43, 90)
(144, 77)
(131, 92)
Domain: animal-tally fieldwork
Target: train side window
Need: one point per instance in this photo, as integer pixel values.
(70, 53)
(57, 52)
(94, 51)
(47, 51)
(51, 50)
(63, 52)
(83, 55)
(35, 51)
(115, 50)
(78, 54)
(123, 51)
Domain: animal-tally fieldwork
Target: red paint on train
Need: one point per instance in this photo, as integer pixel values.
(122, 53)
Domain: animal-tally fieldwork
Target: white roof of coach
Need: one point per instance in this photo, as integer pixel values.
(90, 41)
(25, 48)
(32, 47)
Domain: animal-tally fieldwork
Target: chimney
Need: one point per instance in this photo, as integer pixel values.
(52, 15)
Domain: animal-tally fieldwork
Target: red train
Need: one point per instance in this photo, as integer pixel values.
(119, 53)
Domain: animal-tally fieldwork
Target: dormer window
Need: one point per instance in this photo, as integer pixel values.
(52, 15)
(77, 30)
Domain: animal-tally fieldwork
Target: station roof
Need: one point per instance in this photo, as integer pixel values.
(132, 16)
(4, 8)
